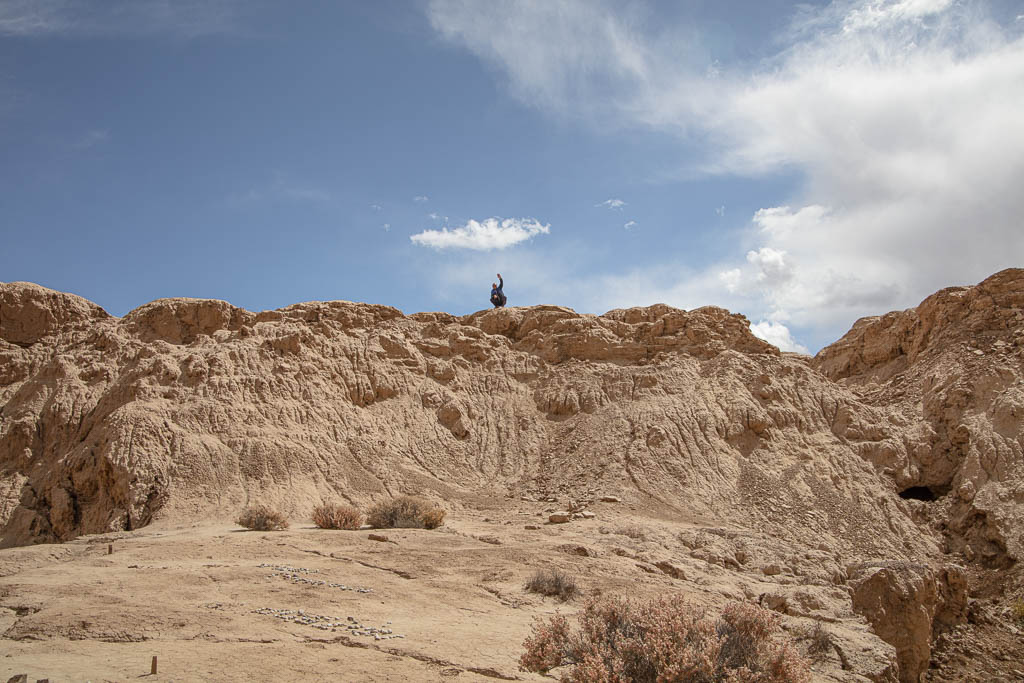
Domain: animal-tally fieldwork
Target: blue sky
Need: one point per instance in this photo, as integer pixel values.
(802, 163)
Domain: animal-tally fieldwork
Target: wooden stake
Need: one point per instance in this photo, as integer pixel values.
(152, 669)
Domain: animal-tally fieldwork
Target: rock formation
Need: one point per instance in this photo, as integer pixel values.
(882, 462)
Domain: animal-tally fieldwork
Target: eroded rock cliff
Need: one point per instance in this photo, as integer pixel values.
(882, 463)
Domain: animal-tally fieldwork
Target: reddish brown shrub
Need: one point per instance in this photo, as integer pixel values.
(262, 518)
(665, 641)
(328, 516)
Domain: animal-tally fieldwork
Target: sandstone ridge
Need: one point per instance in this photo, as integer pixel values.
(882, 475)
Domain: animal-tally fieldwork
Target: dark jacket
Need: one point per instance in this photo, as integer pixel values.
(498, 296)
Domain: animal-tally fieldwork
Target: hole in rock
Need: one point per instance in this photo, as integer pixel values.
(919, 493)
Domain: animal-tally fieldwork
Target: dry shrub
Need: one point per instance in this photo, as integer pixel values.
(820, 641)
(328, 516)
(665, 641)
(633, 531)
(1017, 610)
(405, 512)
(262, 518)
(553, 583)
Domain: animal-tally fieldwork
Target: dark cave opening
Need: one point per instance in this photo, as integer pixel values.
(919, 493)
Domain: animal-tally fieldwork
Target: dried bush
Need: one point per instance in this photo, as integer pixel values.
(633, 531)
(820, 641)
(405, 512)
(665, 641)
(328, 516)
(262, 518)
(553, 583)
(1017, 610)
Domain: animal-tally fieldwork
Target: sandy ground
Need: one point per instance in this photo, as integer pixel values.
(191, 596)
(202, 599)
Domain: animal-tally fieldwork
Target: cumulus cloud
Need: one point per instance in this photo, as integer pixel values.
(778, 334)
(630, 225)
(902, 117)
(612, 204)
(485, 235)
(421, 198)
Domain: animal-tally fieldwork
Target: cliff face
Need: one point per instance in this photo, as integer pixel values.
(193, 408)
(951, 369)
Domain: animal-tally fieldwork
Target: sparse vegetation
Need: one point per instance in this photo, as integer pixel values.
(667, 640)
(1017, 611)
(553, 583)
(406, 512)
(262, 518)
(633, 531)
(337, 516)
(820, 641)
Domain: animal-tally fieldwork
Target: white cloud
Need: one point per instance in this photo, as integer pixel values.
(103, 17)
(630, 225)
(778, 334)
(731, 279)
(612, 204)
(421, 198)
(772, 269)
(880, 12)
(491, 233)
(720, 211)
(902, 117)
(387, 227)
(376, 207)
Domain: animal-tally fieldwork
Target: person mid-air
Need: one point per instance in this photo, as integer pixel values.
(498, 297)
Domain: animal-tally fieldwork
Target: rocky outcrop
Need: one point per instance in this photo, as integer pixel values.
(909, 606)
(952, 371)
(192, 408)
(29, 313)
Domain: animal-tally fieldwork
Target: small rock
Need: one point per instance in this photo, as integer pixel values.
(670, 569)
(772, 570)
(610, 499)
(587, 514)
(531, 527)
(560, 517)
(378, 537)
(775, 602)
(19, 678)
(365, 527)
(647, 568)
(571, 549)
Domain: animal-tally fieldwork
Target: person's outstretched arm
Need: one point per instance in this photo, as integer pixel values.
(501, 283)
